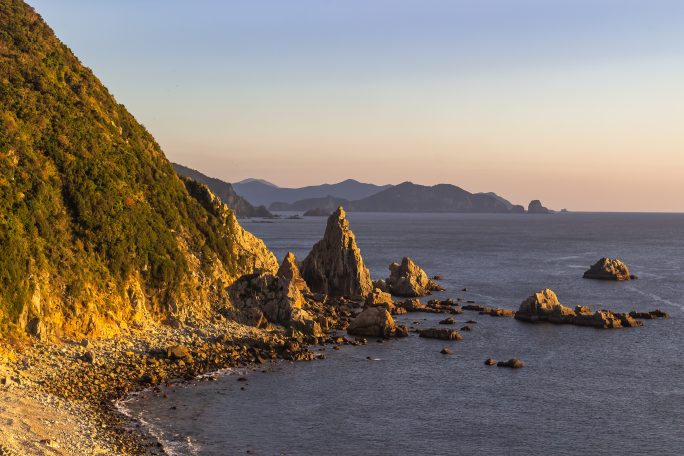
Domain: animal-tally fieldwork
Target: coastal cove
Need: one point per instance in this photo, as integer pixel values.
(582, 390)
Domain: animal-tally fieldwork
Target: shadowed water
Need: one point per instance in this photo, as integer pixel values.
(582, 390)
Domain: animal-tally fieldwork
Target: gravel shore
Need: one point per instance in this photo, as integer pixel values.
(58, 398)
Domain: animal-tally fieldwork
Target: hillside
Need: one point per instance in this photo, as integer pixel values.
(225, 192)
(259, 192)
(329, 203)
(410, 197)
(97, 231)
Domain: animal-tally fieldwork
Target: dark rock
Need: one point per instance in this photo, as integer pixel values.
(535, 207)
(466, 328)
(446, 351)
(437, 333)
(490, 362)
(513, 363)
(447, 321)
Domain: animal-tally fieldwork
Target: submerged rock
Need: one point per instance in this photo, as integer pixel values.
(409, 280)
(609, 269)
(490, 362)
(513, 363)
(649, 315)
(372, 322)
(334, 266)
(438, 333)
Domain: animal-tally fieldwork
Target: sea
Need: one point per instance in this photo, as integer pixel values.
(582, 391)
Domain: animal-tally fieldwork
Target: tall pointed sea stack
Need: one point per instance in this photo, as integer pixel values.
(334, 266)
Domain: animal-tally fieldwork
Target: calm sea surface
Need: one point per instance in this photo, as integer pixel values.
(582, 390)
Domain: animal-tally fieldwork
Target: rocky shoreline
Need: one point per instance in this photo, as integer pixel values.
(76, 383)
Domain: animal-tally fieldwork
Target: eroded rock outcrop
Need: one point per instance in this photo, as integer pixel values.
(609, 269)
(409, 280)
(262, 298)
(334, 266)
(379, 298)
(373, 322)
(544, 306)
(289, 272)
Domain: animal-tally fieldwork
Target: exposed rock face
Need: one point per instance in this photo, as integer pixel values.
(381, 299)
(535, 207)
(373, 322)
(289, 272)
(407, 279)
(544, 306)
(263, 298)
(609, 269)
(334, 266)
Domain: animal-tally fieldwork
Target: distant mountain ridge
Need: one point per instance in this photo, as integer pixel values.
(404, 197)
(264, 193)
(225, 192)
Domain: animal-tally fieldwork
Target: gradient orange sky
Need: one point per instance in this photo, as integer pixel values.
(577, 103)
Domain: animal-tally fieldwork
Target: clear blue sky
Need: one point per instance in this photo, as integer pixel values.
(580, 103)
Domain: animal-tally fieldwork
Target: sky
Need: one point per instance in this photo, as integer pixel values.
(579, 103)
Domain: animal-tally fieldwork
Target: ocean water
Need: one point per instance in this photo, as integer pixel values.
(582, 390)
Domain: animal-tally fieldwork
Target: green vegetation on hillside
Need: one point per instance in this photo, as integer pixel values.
(86, 195)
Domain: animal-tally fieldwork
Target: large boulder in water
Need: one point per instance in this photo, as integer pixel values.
(609, 269)
(409, 280)
(334, 266)
(373, 322)
(544, 306)
(289, 273)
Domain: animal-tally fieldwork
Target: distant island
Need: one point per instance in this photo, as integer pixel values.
(355, 196)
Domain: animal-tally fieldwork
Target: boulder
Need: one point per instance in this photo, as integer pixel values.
(334, 266)
(600, 319)
(381, 285)
(372, 322)
(446, 351)
(442, 334)
(381, 299)
(447, 321)
(408, 280)
(490, 362)
(289, 272)
(513, 363)
(609, 269)
(544, 306)
(179, 352)
(535, 207)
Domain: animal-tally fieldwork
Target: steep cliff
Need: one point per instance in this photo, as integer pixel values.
(97, 231)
